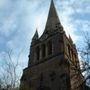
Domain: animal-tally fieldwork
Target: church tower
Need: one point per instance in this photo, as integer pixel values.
(53, 59)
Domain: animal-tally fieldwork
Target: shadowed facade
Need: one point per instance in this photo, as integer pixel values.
(53, 59)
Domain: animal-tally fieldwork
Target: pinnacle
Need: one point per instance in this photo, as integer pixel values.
(35, 37)
(53, 19)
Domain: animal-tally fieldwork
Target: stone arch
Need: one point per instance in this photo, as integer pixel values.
(37, 53)
(43, 48)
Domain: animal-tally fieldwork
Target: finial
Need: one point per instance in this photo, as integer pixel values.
(36, 36)
(70, 38)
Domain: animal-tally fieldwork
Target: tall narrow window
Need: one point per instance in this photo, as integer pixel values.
(43, 50)
(38, 53)
(49, 46)
(69, 51)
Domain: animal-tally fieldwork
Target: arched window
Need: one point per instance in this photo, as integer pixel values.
(43, 50)
(49, 48)
(69, 51)
(37, 53)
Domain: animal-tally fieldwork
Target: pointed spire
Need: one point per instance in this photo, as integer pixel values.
(53, 20)
(52, 11)
(70, 39)
(36, 36)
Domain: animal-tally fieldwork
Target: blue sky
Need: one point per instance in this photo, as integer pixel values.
(20, 18)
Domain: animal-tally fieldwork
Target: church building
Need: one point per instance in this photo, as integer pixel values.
(53, 59)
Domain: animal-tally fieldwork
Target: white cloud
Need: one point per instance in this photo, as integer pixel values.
(2, 2)
(84, 24)
(6, 27)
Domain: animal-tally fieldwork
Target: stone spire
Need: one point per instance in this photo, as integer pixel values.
(70, 39)
(36, 36)
(53, 20)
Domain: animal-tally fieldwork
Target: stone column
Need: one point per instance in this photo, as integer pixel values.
(46, 50)
(40, 52)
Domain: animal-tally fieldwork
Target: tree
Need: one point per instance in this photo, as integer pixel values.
(10, 75)
(85, 58)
